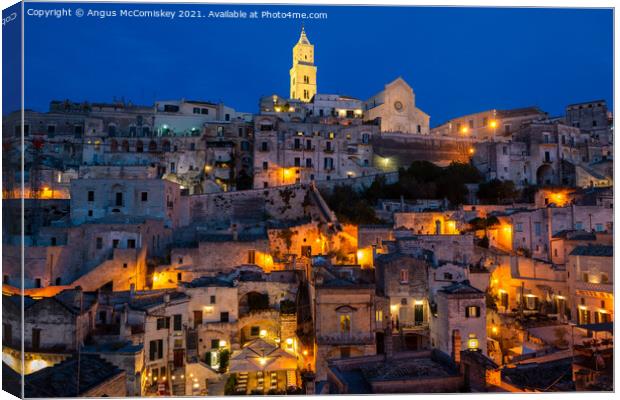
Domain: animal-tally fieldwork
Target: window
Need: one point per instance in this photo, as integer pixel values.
(5, 279)
(179, 276)
(345, 324)
(212, 299)
(254, 331)
(156, 349)
(537, 228)
(447, 276)
(131, 243)
(215, 343)
(196, 110)
(144, 196)
(163, 323)
(379, 315)
(472, 311)
(171, 108)
(91, 195)
(177, 322)
(519, 227)
(115, 243)
(404, 276)
(297, 162)
(328, 163)
(265, 165)
(345, 352)
(578, 225)
(224, 316)
(119, 199)
(53, 241)
(99, 243)
(599, 227)
(308, 163)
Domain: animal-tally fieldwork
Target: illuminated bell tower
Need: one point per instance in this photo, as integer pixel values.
(303, 72)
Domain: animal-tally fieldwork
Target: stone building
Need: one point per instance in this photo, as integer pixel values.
(294, 152)
(540, 153)
(403, 280)
(229, 154)
(93, 199)
(494, 125)
(53, 328)
(344, 315)
(591, 278)
(395, 108)
(592, 117)
(458, 320)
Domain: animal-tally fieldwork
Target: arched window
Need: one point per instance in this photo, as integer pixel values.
(113, 146)
(125, 146)
(152, 146)
(139, 146)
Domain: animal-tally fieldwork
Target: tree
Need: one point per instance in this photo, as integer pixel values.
(497, 192)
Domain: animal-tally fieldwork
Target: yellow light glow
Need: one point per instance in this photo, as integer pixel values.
(263, 333)
(196, 385)
(291, 109)
(277, 109)
(464, 129)
(289, 341)
(494, 330)
(360, 255)
(305, 352)
(472, 344)
(471, 150)
(493, 124)
(262, 361)
(222, 343)
(418, 302)
(394, 307)
(208, 309)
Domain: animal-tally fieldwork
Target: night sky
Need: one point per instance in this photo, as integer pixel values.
(458, 60)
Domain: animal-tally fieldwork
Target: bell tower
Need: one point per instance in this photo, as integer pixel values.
(303, 71)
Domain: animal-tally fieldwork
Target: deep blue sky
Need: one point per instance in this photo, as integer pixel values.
(458, 60)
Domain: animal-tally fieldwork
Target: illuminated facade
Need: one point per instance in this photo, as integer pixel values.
(303, 71)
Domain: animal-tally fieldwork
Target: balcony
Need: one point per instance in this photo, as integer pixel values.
(606, 287)
(346, 338)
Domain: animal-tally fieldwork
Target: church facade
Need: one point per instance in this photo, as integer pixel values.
(396, 110)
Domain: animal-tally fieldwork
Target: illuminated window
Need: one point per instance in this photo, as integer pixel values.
(345, 324)
(472, 312)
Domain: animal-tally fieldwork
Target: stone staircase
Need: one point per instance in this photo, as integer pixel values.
(178, 383)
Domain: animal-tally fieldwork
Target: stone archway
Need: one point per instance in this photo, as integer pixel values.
(544, 175)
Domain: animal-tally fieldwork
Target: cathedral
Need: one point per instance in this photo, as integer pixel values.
(394, 107)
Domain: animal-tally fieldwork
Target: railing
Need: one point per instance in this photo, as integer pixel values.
(346, 338)
(596, 287)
